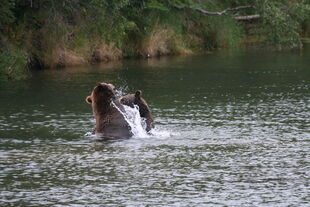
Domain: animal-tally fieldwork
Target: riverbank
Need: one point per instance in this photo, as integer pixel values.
(46, 34)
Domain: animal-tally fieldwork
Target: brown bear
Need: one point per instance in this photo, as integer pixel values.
(110, 123)
(108, 111)
(136, 99)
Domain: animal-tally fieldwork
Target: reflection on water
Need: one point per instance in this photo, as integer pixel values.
(232, 130)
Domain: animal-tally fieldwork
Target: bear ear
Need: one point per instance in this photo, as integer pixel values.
(88, 99)
(138, 94)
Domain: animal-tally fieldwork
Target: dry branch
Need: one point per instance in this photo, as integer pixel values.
(248, 17)
(225, 12)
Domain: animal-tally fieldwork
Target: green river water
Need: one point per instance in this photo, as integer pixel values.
(232, 129)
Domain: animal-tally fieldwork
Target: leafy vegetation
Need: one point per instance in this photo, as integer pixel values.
(282, 22)
(12, 65)
(49, 33)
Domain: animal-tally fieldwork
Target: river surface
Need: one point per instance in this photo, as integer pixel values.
(232, 129)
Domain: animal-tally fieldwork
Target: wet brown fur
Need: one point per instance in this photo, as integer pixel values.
(109, 120)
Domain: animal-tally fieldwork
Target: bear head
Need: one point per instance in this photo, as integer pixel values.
(103, 93)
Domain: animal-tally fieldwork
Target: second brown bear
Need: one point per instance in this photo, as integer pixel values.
(136, 99)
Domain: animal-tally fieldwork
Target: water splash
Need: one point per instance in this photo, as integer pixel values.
(121, 91)
(137, 124)
(132, 117)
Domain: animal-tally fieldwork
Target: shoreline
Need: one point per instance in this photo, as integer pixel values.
(53, 34)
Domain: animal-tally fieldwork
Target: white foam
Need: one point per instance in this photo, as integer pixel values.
(136, 123)
(161, 133)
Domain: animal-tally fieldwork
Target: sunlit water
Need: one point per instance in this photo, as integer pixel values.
(232, 129)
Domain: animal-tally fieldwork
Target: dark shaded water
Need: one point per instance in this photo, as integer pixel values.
(232, 130)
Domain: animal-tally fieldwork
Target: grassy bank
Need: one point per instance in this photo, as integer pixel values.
(51, 34)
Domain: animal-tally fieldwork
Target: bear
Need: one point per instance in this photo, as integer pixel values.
(107, 109)
(144, 110)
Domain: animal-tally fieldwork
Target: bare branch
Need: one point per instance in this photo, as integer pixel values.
(248, 17)
(224, 12)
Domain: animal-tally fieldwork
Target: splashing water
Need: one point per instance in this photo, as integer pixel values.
(132, 117)
(137, 124)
